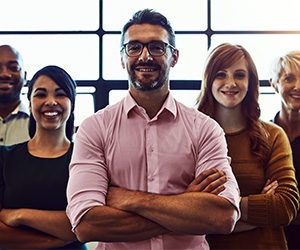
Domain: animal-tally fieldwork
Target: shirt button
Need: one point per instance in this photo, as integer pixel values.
(1, 139)
(151, 150)
(3, 121)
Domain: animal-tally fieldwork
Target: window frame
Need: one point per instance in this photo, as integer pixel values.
(103, 87)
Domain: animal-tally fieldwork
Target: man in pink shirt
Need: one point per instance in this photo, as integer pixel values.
(149, 172)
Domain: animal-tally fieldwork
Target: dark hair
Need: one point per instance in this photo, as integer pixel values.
(220, 58)
(63, 80)
(151, 17)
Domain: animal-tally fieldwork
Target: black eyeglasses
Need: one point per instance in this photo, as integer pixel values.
(156, 48)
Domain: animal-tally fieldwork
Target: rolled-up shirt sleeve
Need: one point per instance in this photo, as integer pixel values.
(88, 180)
(213, 153)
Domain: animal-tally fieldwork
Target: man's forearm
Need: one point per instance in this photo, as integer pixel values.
(108, 224)
(187, 213)
(113, 225)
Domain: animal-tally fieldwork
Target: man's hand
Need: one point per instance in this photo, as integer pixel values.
(10, 217)
(209, 181)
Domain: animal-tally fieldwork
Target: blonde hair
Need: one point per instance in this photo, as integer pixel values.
(284, 63)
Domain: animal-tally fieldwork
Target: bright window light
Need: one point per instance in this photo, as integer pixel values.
(77, 54)
(183, 15)
(75, 39)
(40, 15)
(269, 102)
(259, 15)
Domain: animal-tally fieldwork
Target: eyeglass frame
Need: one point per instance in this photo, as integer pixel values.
(147, 45)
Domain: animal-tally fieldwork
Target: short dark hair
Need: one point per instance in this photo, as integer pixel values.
(63, 80)
(150, 16)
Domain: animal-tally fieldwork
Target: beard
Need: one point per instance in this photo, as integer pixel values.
(148, 84)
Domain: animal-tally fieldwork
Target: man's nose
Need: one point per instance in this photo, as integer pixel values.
(145, 55)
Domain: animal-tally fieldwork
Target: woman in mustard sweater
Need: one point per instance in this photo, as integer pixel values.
(260, 152)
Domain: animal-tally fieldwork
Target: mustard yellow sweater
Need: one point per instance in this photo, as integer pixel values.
(269, 212)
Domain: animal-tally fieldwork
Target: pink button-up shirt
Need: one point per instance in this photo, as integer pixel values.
(120, 145)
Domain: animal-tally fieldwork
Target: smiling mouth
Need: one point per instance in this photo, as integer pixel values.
(145, 69)
(51, 114)
(296, 96)
(5, 85)
(229, 92)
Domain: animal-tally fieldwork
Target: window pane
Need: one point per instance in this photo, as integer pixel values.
(269, 103)
(255, 15)
(192, 52)
(111, 66)
(77, 54)
(116, 95)
(263, 48)
(182, 15)
(46, 15)
(84, 107)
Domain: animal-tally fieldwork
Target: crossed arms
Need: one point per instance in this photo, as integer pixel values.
(135, 216)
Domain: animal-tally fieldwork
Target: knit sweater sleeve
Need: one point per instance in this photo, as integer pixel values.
(279, 209)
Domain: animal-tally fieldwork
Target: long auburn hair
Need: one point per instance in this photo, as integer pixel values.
(222, 57)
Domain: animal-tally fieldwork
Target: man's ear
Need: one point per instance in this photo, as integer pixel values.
(274, 85)
(122, 62)
(175, 57)
(25, 79)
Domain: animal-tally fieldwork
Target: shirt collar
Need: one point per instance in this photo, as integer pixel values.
(129, 103)
(169, 104)
(21, 108)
